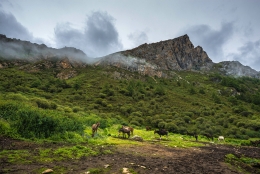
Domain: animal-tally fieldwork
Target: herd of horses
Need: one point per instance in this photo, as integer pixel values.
(161, 132)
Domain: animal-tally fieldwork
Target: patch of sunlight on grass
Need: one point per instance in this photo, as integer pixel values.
(173, 140)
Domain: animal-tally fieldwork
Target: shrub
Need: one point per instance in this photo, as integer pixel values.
(134, 122)
(45, 104)
(201, 91)
(161, 124)
(192, 91)
(172, 127)
(76, 109)
(18, 97)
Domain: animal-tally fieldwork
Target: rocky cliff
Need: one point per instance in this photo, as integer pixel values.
(153, 59)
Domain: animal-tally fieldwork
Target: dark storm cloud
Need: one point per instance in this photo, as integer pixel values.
(10, 27)
(211, 40)
(99, 37)
(138, 38)
(248, 54)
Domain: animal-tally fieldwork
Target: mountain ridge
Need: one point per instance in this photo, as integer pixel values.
(148, 59)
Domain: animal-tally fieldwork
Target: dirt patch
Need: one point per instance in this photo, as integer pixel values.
(147, 158)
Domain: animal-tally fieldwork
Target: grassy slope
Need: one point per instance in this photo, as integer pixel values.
(95, 94)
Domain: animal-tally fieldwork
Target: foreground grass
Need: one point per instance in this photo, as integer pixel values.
(241, 162)
(103, 143)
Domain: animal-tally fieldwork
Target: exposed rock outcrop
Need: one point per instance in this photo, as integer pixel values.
(153, 59)
(235, 68)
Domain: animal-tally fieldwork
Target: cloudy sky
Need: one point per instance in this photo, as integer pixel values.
(226, 29)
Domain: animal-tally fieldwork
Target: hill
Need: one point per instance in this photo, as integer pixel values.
(188, 96)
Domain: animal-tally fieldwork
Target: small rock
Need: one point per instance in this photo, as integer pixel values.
(107, 165)
(143, 167)
(125, 170)
(47, 171)
(137, 138)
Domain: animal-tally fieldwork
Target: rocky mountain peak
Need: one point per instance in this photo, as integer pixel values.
(152, 59)
(174, 54)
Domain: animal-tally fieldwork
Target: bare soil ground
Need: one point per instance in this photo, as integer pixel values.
(147, 158)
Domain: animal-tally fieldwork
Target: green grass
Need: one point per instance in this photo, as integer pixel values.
(237, 162)
(16, 156)
(136, 100)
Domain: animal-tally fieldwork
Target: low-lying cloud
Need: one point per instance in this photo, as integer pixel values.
(98, 38)
(211, 40)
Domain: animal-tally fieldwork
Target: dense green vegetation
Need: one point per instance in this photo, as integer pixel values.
(39, 105)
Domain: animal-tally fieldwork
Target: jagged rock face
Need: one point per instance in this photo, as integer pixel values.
(174, 54)
(153, 59)
(235, 68)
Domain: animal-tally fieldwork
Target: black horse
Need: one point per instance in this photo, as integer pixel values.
(194, 134)
(209, 136)
(161, 132)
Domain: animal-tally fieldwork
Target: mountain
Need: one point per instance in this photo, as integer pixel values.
(235, 68)
(34, 57)
(155, 59)
(174, 54)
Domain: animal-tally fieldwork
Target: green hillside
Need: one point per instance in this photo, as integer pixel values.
(39, 105)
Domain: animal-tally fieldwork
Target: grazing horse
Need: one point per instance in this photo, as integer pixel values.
(195, 135)
(209, 136)
(161, 132)
(255, 143)
(124, 130)
(129, 128)
(95, 128)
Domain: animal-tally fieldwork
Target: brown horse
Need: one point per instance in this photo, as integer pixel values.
(127, 130)
(124, 131)
(95, 128)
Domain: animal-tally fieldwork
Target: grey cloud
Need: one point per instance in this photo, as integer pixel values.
(211, 40)
(138, 38)
(248, 54)
(10, 27)
(65, 35)
(99, 37)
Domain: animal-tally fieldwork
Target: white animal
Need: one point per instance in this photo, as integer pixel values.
(221, 138)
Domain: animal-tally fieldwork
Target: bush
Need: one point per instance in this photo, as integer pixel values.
(134, 122)
(42, 103)
(171, 127)
(161, 124)
(18, 97)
